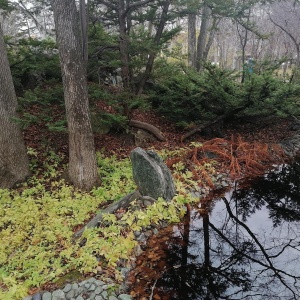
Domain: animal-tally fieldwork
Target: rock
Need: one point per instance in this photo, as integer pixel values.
(99, 282)
(155, 231)
(71, 294)
(92, 280)
(67, 288)
(141, 238)
(137, 233)
(92, 288)
(37, 296)
(224, 184)
(124, 271)
(124, 297)
(58, 295)
(151, 175)
(98, 290)
(47, 296)
(104, 294)
(291, 145)
(137, 250)
(75, 286)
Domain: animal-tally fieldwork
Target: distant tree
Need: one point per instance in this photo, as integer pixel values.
(286, 16)
(14, 164)
(144, 29)
(35, 18)
(202, 37)
(191, 36)
(82, 169)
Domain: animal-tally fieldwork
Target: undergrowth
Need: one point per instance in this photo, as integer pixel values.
(37, 220)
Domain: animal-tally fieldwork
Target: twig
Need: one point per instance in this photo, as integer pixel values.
(152, 289)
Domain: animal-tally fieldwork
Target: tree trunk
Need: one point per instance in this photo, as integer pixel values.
(211, 36)
(202, 36)
(152, 54)
(192, 40)
(123, 43)
(14, 165)
(82, 170)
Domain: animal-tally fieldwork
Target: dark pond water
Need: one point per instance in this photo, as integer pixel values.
(245, 245)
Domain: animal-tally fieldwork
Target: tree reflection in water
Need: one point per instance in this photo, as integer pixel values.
(245, 245)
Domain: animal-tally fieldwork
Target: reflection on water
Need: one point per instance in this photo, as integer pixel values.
(245, 245)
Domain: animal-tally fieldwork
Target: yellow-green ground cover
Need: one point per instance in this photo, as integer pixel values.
(38, 219)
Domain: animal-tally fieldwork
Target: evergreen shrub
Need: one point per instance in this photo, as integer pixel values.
(187, 97)
(33, 62)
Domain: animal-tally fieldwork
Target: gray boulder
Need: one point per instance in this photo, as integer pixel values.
(151, 175)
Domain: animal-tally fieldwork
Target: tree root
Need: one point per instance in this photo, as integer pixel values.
(148, 127)
(122, 203)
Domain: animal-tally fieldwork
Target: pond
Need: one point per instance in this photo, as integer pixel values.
(243, 245)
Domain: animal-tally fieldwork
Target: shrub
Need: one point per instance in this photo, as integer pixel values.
(185, 96)
(33, 62)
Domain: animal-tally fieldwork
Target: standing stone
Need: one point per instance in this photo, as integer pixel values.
(151, 175)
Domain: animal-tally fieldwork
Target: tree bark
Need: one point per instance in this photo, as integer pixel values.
(202, 36)
(210, 39)
(156, 41)
(192, 40)
(123, 43)
(82, 169)
(14, 164)
(148, 127)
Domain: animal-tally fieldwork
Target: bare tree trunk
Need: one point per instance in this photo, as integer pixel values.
(202, 36)
(152, 55)
(14, 165)
(83, 8)
(192, 40)
(123, 43)
(210, 38)
(82, 170)
(243, 41)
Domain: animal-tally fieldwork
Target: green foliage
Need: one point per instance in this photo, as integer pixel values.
(99, 92)
(103, 54)
(258, 92)
(45, 95)
(33, 62)
(185, 96)
(286, 100)
(142, 44)
(5, 5)
(37, 223)
(269, 95)
(43, 106)
(117, 106)
(189, 97)
(116, 177)
(36, 226)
